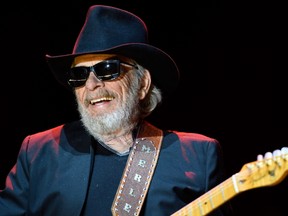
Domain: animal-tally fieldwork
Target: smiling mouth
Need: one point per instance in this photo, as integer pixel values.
(103, 99)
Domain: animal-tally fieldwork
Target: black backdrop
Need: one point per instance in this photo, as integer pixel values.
(226, 61)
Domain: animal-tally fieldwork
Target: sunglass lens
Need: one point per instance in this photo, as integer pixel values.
(78, 76)
(107, 70)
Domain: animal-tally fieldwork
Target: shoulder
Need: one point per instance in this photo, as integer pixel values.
(56, 131)
(191, 142)
(54, 137)
(187, 137)
(193, 136)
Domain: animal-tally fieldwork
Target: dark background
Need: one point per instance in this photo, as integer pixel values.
(228, 89)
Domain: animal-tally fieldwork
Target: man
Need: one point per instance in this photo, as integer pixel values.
(112, 161)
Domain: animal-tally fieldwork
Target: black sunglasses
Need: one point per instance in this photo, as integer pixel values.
(104, 71)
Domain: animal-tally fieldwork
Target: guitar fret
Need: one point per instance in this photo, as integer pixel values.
(210, 199)
(222, 192)
(200, 207)
(235, 183)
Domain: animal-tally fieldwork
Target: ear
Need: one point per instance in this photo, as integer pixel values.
(145, 84)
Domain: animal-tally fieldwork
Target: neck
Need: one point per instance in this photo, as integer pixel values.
(121, 144)
(122, 141)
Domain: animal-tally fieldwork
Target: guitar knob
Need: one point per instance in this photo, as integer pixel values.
(284, 150)
(268, 155)
(277, 153)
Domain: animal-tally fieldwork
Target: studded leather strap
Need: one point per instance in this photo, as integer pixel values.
(138, 172)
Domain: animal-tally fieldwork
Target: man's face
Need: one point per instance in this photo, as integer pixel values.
(101, 97)
(109, 106)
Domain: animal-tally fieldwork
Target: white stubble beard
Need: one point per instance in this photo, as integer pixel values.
(123, 119)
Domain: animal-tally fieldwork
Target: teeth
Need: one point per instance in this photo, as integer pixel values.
(101, 99)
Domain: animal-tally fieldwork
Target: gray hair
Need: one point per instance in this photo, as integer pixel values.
(153, 97)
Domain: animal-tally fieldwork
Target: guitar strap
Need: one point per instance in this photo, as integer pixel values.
(138, 172)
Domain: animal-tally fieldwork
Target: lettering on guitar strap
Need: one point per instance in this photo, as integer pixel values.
(135, 181)
(138, 172)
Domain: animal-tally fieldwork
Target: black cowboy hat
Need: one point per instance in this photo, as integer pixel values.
(110, 30)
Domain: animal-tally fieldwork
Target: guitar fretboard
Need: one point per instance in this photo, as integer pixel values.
(210, 200)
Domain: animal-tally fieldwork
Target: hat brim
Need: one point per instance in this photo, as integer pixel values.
(164, 72)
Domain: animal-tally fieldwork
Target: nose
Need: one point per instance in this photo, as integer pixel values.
(93, 82)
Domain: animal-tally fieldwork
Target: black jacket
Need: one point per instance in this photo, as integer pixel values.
(51, 176)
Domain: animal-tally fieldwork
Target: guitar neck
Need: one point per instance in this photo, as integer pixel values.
(255, 174)
(210, 200)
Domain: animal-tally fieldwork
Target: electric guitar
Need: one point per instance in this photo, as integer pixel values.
(267, 171)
